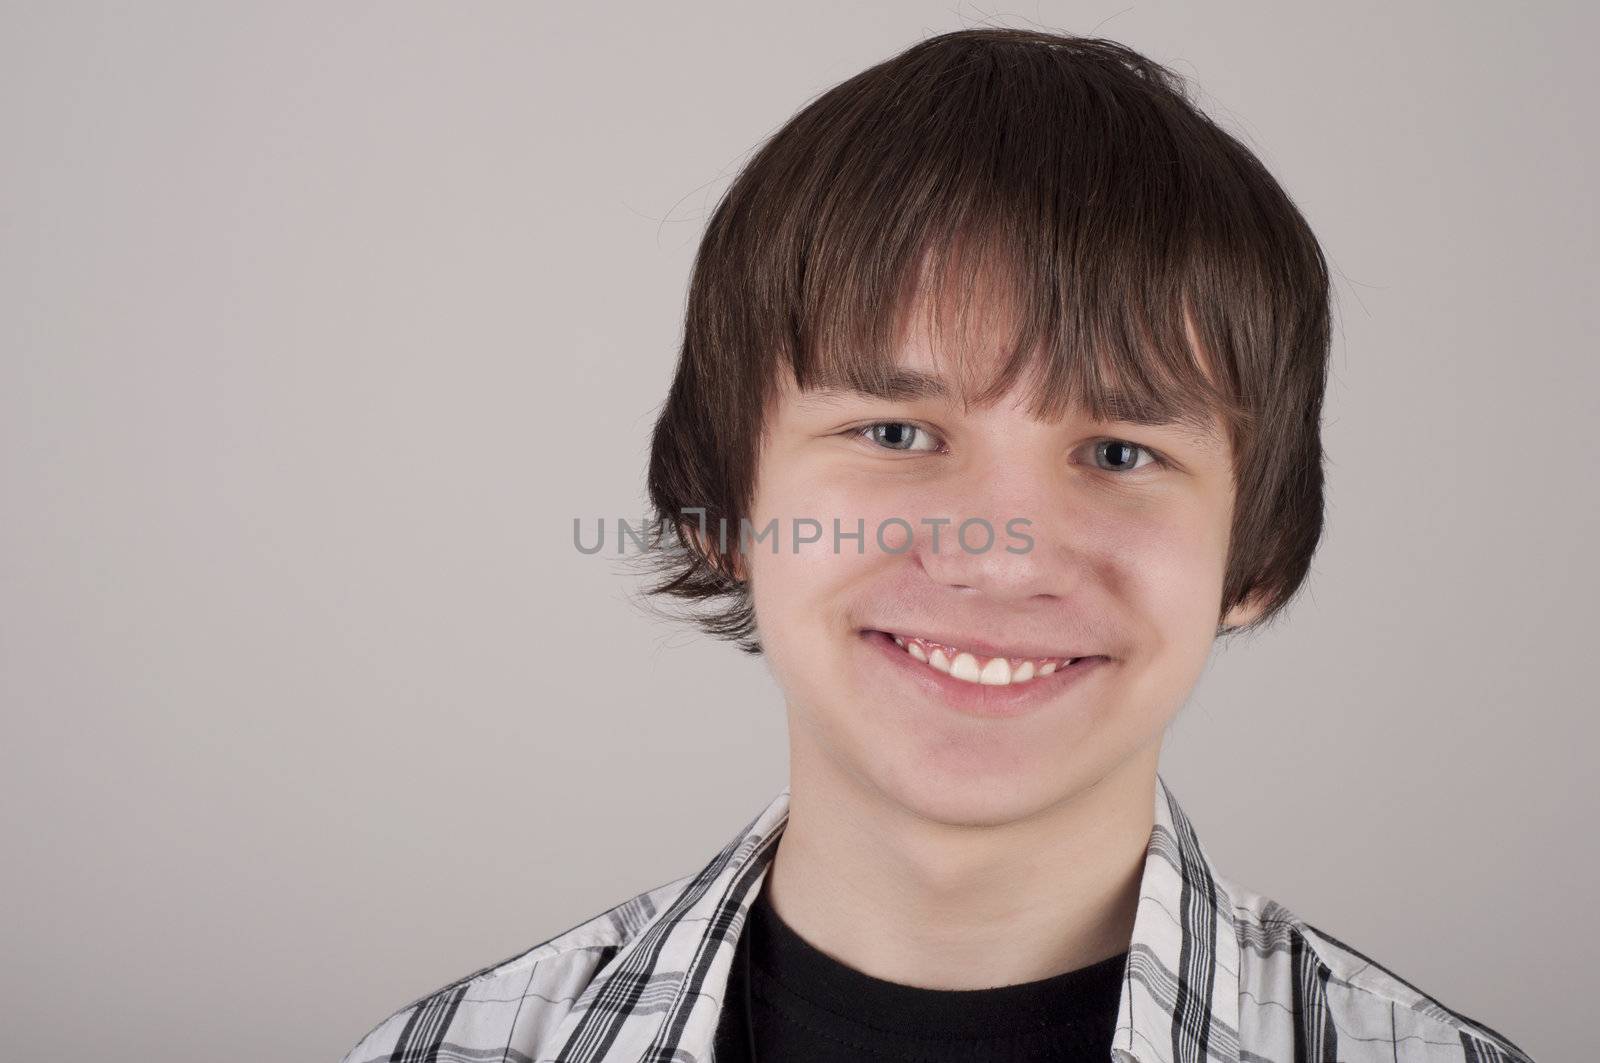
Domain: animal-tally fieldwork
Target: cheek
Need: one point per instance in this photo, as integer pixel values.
(802, 592)
(1168, 575)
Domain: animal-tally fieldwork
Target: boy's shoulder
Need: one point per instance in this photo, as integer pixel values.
(1301, 988)
(506, 1009)
(1214, 969)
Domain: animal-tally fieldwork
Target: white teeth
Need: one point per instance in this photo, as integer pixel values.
(963, 665)
(997, 673)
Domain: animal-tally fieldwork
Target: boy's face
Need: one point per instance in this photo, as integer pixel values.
(1125, 567)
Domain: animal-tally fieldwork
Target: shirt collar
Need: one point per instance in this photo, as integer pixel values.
(659, 999)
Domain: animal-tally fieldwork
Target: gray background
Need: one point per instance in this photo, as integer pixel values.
(323, 321)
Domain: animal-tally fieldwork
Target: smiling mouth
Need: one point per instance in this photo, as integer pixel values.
(979, 669)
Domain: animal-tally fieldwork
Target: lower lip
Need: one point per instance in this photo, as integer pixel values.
(979, 699)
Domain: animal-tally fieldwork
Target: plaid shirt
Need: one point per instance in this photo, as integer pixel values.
(1214, 971)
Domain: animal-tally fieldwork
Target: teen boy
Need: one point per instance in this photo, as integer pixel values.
(1009, 280)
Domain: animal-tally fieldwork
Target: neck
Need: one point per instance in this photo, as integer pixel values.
(952, 906)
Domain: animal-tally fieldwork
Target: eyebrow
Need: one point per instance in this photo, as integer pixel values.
(909, 385)
(901, 385)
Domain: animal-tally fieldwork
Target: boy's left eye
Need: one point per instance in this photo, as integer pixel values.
(899, 435)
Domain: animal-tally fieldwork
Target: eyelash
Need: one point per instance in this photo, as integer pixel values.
(864, 432)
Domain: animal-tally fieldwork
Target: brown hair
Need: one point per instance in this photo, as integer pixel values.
(1115, 213)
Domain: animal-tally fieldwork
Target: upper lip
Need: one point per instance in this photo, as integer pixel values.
(984, 647)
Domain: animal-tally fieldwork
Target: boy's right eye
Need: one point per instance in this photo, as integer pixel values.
(899, 435)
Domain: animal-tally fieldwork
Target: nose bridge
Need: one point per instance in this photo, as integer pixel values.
(1000, 539)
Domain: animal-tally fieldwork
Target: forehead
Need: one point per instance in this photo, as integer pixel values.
(922, 369)
(970, 327)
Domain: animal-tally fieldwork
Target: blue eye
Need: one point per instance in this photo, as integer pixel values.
(1125, 451)
(1120, 455)
(899, 435)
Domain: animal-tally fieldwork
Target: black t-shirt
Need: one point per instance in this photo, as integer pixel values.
(810, 1008)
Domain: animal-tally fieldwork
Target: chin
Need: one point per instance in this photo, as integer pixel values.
(973, 795)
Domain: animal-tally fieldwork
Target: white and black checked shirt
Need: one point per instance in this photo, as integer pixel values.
(1214, 972)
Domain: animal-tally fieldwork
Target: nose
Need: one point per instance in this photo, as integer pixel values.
(1001, 533)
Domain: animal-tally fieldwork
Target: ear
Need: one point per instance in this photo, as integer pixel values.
(1246, 612)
